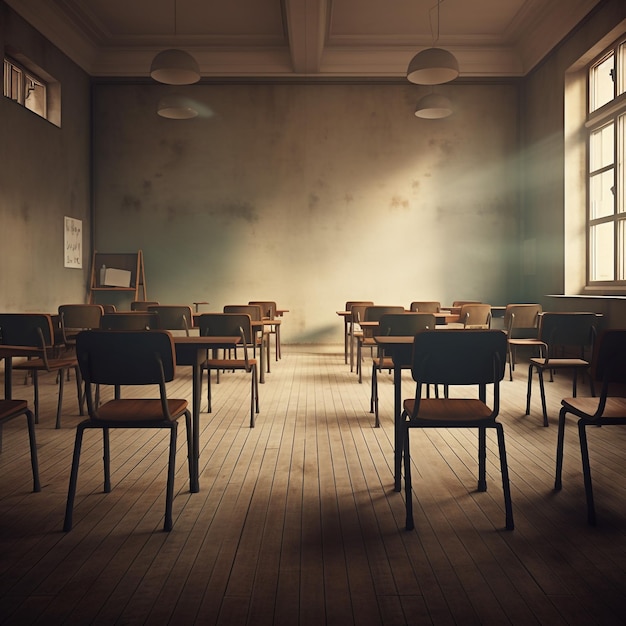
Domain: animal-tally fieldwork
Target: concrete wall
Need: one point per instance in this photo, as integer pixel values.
(544, 205)
(44, 176)
(312, 195)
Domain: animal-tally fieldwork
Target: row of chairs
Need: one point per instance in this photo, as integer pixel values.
(473, 357)
(74, 317)
(269, 311)
(140, 357)
(131, 357)
(454, 357)
(462, 357)
(49, 351)
(113, 358)
(550, 334)
(360, 334)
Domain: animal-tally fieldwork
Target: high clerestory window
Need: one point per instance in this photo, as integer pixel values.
(25, 87)
(606, 168)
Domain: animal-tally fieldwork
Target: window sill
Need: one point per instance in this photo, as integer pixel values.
(600, 294)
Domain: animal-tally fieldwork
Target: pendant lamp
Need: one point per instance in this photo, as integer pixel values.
(176, 107)
(433, 107)
(175, 67)
(433, 66)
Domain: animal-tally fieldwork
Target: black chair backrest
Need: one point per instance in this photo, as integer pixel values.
(125, 357)
(405, 324)
(268, 308)
(522, 320)
(475, 314)
(83, 316)
(459, 357)
(172, 316)
(357, 312)
(426, 306)
(609, 357)
(142, 305)
(26, 329)
(225, 325)
(567, 329)
(253, 310)
(139, 320)
(374, 313)
(458, 303)
(351, 303)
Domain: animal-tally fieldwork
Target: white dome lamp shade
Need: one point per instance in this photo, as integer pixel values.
(433, 107)
(175, 67)
(432, 66)
(176, 107)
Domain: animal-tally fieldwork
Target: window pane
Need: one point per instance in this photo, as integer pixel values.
(26, 88)
(601, 252)
(621, 250)
(601, 149)
(601, 83)
(621, 163)
(601, 195)
(15, 86)
(621, 63)
(35, 99)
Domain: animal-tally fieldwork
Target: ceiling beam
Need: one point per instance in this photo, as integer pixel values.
(306, 28)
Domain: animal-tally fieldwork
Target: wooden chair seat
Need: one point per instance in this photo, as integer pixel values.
(433, 412)
(142, 410)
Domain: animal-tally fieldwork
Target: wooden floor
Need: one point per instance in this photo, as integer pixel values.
(297, 522)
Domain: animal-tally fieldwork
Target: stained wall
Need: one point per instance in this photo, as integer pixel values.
(311, 195)
(44, 176)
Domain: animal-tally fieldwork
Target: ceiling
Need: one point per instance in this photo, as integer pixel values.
(310, 39)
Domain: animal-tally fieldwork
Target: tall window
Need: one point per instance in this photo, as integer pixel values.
(606, 150)
(25, 87)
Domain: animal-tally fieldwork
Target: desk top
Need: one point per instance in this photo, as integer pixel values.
(441, 318)
(394, 340)
(207, 341)
(11, 351)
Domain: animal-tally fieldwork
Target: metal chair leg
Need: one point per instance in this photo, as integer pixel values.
(71, 493)
(584, 453)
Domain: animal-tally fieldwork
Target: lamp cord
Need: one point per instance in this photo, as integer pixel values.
(430, 16)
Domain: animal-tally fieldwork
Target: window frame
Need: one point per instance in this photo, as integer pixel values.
(613, 111)
(20, 92)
